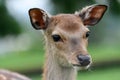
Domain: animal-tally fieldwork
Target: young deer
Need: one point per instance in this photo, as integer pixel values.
(66, 37)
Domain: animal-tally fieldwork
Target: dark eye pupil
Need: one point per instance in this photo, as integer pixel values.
(87, 34)
(56, 38)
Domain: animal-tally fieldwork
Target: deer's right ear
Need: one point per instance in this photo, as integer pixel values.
(38, 18)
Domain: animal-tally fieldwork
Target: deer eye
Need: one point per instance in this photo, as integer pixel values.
(56, 38)
(87, 34)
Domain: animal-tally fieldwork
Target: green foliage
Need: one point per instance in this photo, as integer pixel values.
(19, 61)
(69, 6)
(103, 53)
(8, 25)
(114, 7)
(103, 74)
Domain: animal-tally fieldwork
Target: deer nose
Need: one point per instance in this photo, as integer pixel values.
(84, 60)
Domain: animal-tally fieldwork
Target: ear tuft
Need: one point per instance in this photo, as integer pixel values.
(38, 18)
(91, 15)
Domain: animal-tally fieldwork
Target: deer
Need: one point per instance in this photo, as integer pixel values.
(66, 41)
(10, 75)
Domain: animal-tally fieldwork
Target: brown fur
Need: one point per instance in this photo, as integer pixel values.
(71, 29)
(8, 75)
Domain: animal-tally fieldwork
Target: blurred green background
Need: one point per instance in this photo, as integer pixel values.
(22, 47)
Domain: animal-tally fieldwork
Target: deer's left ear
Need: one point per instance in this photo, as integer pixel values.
(91, 15)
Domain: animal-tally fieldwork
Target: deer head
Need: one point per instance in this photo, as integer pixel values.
(67, 34)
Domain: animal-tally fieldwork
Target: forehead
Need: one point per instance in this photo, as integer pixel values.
(68, 22)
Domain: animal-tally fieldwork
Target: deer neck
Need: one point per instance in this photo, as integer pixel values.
(53, 71)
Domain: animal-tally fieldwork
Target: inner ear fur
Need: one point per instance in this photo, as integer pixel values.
(38, 18)
(91, 15)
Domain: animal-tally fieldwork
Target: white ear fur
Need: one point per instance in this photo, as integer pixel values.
(84, 12)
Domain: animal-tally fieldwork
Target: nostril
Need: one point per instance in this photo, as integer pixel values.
(84, 60)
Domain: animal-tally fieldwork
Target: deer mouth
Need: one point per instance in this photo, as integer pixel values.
(79, 67)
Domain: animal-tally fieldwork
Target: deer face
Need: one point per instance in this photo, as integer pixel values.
(69, 37)
(67, 34)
